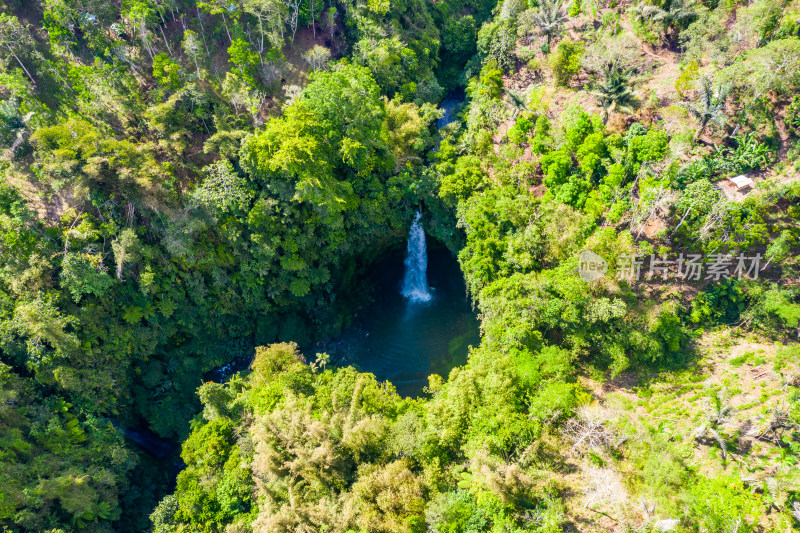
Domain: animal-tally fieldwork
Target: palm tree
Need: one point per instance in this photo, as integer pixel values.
(670, 16)
(710, 106)
(718, 411)
(550, 18)
(517, 102)
(13, 124)
(614, 91)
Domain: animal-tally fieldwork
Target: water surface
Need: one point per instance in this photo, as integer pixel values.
(403, 341)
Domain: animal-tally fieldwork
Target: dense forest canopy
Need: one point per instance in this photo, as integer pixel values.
(189, 183)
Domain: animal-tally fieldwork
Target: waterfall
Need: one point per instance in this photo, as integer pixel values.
(415, 283)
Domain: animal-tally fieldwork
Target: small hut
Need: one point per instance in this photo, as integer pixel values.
(742, 183)
(736, 188)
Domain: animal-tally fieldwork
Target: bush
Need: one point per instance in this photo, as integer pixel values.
(556, 166)
(519, 131)
(685, 82)
(773, 309)
(566, 61)
(454, 512)
(749, 154)
(774, 67)
(792, 119)
(723, 504)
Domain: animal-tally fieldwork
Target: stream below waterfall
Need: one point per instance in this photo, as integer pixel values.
(404, 341)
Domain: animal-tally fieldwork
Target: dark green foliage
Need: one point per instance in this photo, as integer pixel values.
(772, 309)
(672, 16)
(459, 44)
(793, 116)
(521, 128)
(720, 304)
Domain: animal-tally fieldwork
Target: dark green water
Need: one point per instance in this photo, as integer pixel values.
(405, 342)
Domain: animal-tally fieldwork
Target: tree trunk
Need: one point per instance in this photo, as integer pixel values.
(700, 131)
(203, 33)
(681, 222)
(261, 46)
(225, 22)
(22, 65)
(166, 42)
(313, 25)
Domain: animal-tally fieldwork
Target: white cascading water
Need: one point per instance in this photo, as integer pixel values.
(415, 283)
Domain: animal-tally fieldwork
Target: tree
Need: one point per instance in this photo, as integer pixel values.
(218, 7)
(139, 13)
(527, 25)
(550, 18)
(314, 9)
(242, 95)
(566, 61)
(408, 131)
(774, 67)
(223, 190)
(700, 197)
(126, 249)
(497, 41)
(87, 19)
(166, 71)
(271, 15)
(717, 412)
(13, 124)
(191, 45)
(517, 102)
(317, 57)
(294, 13)
(244, 59)
(330, 20)
(710, 106)
(16, 40)
(671, 16)
(614, 91)
(84, 274)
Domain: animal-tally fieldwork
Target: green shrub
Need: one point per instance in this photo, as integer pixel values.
(566, 61)
(519, 131)
(724, 504)
(556, 166)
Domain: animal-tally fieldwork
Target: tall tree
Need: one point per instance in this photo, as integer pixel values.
(191, 46)
(317, 57)
(218, 7)
(270, 15)
(16, 40)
